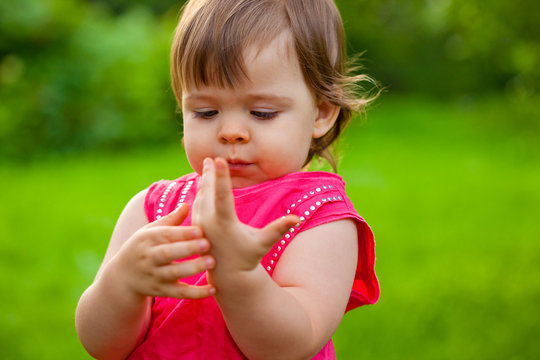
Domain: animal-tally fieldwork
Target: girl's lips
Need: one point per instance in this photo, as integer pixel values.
(237, 164)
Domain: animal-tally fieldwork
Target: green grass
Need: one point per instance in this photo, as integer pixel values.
(450, 190)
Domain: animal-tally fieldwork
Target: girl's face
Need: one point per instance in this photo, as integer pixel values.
(264, 126)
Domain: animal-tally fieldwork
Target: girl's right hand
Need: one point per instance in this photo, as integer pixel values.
(146, 263)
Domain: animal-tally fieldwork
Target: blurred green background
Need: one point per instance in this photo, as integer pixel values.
(445, 168)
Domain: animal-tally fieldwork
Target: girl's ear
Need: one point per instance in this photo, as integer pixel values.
(327, 116)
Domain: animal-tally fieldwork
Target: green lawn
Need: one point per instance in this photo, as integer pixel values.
(450, 190)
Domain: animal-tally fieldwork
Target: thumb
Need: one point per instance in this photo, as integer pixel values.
(275, 230)
(175, 217)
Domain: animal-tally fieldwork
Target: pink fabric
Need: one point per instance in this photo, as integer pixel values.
(195, 329)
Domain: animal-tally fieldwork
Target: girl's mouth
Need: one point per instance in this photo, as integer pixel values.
(237, 165)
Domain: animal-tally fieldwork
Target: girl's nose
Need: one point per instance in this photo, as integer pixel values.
(233, 132)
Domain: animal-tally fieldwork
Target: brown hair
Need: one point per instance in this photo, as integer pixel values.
(212, 35)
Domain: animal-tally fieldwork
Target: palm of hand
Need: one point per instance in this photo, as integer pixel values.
(235, 246)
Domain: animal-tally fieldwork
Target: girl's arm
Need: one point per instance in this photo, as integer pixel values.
(296, 314)
(113, 314)
(293, 315)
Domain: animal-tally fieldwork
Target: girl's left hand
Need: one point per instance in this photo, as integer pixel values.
(235, 245)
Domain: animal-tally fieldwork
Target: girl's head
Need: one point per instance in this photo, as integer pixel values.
(217, 43)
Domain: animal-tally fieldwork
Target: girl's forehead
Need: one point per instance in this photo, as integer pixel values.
(271, 73)
(231, 71)
(281, 45)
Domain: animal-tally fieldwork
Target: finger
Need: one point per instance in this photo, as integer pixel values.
(205, 196)
(159, 235)
(208, 177)
(223, 189)
(184, 269)
(167, 253)
(275, 230)
(175, 217)
(170, 234)
(184, 291)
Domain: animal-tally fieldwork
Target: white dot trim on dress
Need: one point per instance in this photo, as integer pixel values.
(163, 199)
(312, 208)
(184, 192)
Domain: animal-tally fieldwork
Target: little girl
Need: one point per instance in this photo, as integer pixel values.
(249, 256)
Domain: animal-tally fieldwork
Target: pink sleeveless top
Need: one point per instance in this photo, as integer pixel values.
(195, 329)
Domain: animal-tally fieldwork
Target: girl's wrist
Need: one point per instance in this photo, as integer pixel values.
(236, 281)
(117, 286)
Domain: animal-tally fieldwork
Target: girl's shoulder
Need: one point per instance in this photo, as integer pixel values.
(317, 198)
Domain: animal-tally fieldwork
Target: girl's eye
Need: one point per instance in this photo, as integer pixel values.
(264, 115)
(205, 114)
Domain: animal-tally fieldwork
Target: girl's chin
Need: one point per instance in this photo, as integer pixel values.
(239, 181)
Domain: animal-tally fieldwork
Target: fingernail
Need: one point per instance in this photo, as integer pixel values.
(206, 162)
(221, 165)
(196, 233)
(203, 245)
(212, 291)
(209, 262)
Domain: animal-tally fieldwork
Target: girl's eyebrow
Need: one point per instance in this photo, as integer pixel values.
(283, 100)
(198, 96)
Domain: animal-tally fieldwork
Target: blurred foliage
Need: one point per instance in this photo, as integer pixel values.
(448, 47)
(80, 74)
(74, 75)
